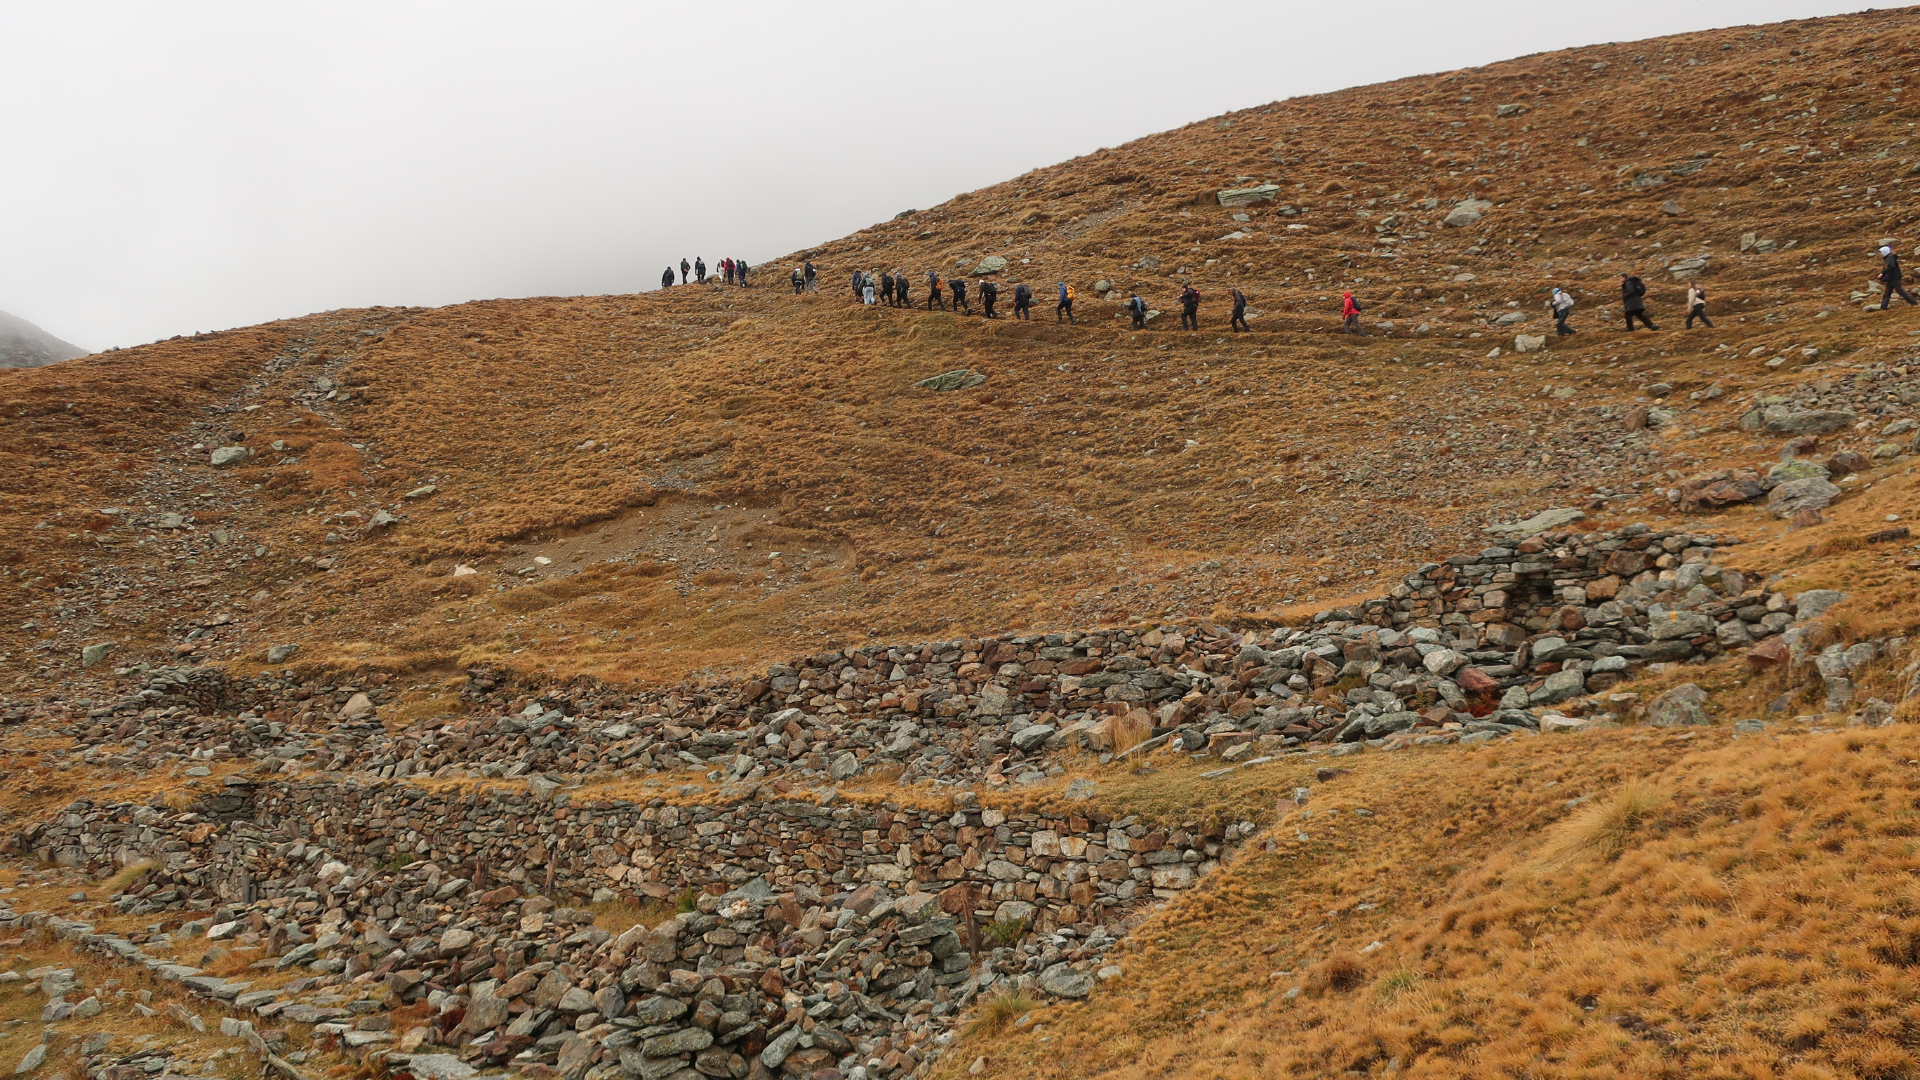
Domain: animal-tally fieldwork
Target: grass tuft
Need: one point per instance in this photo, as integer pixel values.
(1602, 830)
(1338, 973)
(1007, 931)
(1130, 729)
(997, 1012)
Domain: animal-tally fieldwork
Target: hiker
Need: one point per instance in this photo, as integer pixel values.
(933, 291)
(1633, 296)
(989, 292)
(886, 288)
(1350, 314)
(900, 289)
(859, 284)
(866, 288)
(1239, 322)
(811, 286)
(666, 279)
(1561, 304)
(1138, 308)
(684, 267)
(799, 282)
(699, 270)
(1890, 278)
(1066, 304)
(726, 270)
(1697, 305)
(959, 288)
(1022, 301)
(1190, 308)
(740, 273)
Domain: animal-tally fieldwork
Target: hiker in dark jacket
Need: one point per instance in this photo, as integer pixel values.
(666, 279)
(699, 269)
(886, 288)
(933, 291)
(1239, 322)
(740, 273)
(1890, 278)
(799, 282)
(812, 286)
(959, 287)
(900, 289)
(1065, 307)
(1633, 296)
(1697, 306)
(1022, 301)
(859, 285)
(1190, 308)
(989, 292)
(1138, 308)
(684, 267)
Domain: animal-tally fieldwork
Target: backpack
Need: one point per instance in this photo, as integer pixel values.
(1069, 293)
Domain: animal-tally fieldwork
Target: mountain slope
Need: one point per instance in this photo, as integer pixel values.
(1096, 475)
(24, 345)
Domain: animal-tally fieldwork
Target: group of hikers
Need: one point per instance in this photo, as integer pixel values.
(734, 271)
(892, 288)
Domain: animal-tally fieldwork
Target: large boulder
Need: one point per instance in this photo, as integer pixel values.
(1715, 490)
(959, 379)
(1467, 212)
(1248, 196)
(1809, 421)
(229, 455)
(1061, 980)
(1558, 687)
(1677, 625)
(1798, 496)
(992, 264)
(1679, 707)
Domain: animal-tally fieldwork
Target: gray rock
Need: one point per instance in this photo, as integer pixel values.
(844, 767)
(438, 1067)
(95, 653)
(992, 264)
(1749, 727)
(575, 1000)
(1032, 738)
(1467, 212)
(1679, 707)
(1798, 469)
(1061, 980)
(1678, 625)
(1558, 687)
(35, 1057)
(1688, 268)
(279, 654)
(959, 379)
(658, 1010)
(779, 1047)
(1810, 422)
(541, 787)
(684, 1041)
(230, 455)
(1103, 285)
(1541, 522)
(1247, 196)
(421, 492)
(1814, 602)
(1796, 496)
(1080, 789)
(382, 519)
(1443, 661)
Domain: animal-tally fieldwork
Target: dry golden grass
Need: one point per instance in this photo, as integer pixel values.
(997, 1012)
(1603, 830)
(1763, 917)
(618, 916)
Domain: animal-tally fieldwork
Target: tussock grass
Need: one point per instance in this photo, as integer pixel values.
(1340, 972)
(1602, 830)
(617, 916)
(1130, 729)
(998, 1011)
(126, 876)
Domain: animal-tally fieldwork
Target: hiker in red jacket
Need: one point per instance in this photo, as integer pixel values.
(1350, 314)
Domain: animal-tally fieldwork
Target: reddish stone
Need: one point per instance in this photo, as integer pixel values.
(1082, 666)
(1474, 681)
(1532, 545)
(1771, 653)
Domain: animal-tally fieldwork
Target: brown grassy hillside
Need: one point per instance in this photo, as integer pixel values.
(661, 448)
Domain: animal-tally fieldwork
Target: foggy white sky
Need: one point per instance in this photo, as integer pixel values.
(169, 168)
